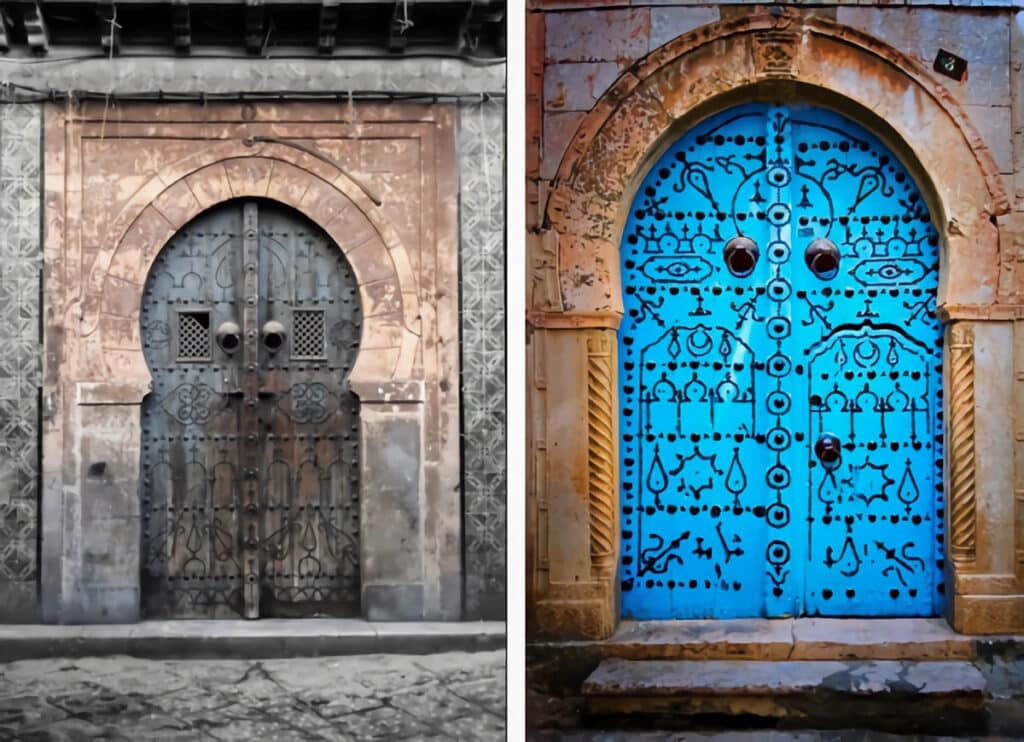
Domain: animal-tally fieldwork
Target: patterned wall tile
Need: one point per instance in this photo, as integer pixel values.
(482, 254)
(20, 264)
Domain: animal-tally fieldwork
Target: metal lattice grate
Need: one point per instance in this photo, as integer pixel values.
(308, 333)
(194, 336)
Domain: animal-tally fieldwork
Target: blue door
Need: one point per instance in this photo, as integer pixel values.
(780, 368)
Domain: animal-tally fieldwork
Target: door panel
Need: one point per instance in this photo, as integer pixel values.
(309, 421)
(873, 350)
(250, 436)
(731, 363)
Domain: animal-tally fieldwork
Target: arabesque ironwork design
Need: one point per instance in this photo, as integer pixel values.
(250, 487)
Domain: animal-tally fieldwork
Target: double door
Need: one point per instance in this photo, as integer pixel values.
(780, 371)
(250, 326)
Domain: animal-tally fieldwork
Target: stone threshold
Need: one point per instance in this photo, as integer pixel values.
(938, 696)
(787, 639)
(237, 639)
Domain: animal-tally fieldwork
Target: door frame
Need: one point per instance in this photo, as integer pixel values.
(390, 206)
(575, 303)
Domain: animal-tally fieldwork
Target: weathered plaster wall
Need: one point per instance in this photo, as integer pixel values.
(606, 83)
(481, 151)
(159, 166)
(20, 264)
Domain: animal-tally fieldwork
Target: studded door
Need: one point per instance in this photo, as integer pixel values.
(780, 372)
(250, 326)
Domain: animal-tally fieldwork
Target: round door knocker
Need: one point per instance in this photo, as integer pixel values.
(273, 336)
(828, 450)
(822, 257)
(229, 337)
(741, 254)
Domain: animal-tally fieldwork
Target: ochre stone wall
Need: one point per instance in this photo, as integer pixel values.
(607, 89)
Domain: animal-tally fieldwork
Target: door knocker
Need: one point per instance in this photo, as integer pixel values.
(741, 254)
(822, 257)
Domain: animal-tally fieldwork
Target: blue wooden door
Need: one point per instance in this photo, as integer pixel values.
(780, 368)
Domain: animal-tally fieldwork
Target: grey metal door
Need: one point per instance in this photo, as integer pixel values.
(250, 326)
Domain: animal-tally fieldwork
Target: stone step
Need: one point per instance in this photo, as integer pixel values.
(941, 696)
(238, 639)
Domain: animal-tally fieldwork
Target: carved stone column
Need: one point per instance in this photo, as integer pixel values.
(983, 589)
(573, 488)
(962, 491)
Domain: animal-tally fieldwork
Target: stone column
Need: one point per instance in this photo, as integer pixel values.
(572, 512)
(983, 589)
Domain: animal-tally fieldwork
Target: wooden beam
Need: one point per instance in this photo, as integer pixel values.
(5, 36)
(181, 26)
(401, 22)
(479, 13)
(35, 27)
(109, 29)
(328, 26)
(255, 16)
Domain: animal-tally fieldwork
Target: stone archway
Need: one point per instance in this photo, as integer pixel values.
(575, 303)
(97, 376)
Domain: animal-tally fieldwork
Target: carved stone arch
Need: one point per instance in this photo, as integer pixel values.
(160, 208)
(723, 63)
(576, 302)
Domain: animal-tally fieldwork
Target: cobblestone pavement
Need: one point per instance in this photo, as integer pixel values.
(453, 696)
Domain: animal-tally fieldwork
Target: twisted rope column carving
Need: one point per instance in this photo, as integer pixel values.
(962, 521)
(601, 454)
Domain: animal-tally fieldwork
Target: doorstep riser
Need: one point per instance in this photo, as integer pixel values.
(825, 694)
(896, 719)
(245, 648)
(808, 707)
(782, 652)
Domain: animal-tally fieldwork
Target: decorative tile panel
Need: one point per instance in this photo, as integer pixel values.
(20, 262)
(481, 145)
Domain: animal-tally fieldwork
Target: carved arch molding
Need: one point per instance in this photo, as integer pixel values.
(575, 302)
(380, 181)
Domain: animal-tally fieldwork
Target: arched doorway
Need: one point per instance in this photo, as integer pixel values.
(250, 327)
(780, 374)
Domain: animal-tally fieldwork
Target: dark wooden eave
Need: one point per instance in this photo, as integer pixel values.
(343, 28)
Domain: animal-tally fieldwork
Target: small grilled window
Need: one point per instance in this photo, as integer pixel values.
(308, 340)
(193, 336)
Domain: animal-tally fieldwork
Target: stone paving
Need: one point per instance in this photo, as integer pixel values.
(755, 735)
(452, 696)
